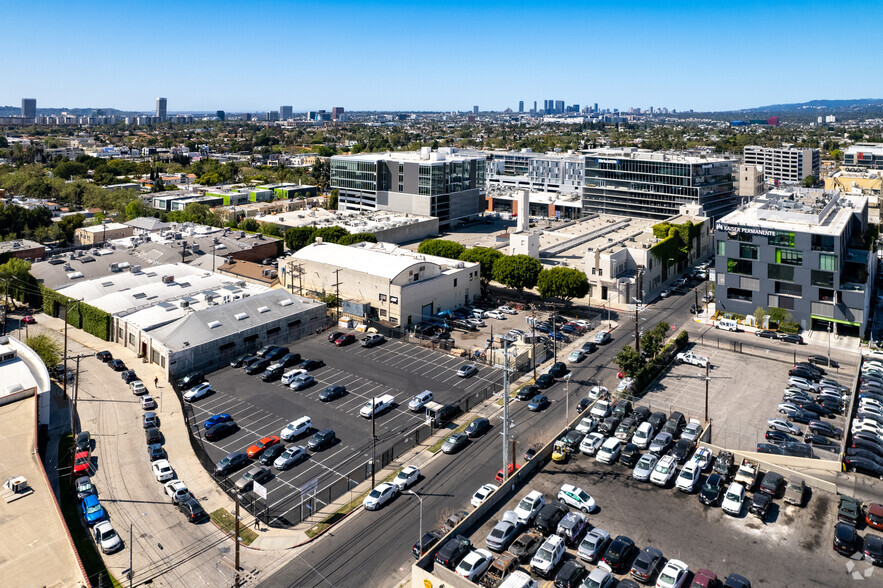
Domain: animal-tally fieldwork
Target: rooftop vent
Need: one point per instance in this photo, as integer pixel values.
(286, 302)
(240, 316)
(263, 309)
(214, 324)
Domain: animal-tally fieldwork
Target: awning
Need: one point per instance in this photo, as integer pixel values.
(833, 320)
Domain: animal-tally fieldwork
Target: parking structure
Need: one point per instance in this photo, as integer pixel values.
(265, 408)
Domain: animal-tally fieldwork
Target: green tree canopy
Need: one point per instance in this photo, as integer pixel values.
(517, 271)
(299, 237)
(16, 274)
(136, 209)
(68, 225)
(331, 234)
(47, 348)
(441, 248)
(357, 238)
(69, 169)
(629, 361)
(486, 256)
(249, 224)
(562, 282)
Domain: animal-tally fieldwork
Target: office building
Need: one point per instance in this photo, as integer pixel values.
(534, 111)
(444, 183)
(102, 233)
(29, 108)
(381, 281)
(559, 106)
(867, 155)
(750, 183)
(475, 110)
(285, 112)
(161, 112)
(336, 112)
(783, 165)
(798, 249)
(221, 115)
(651, 184)
(272, 115)
(538, 172)
(521, 106)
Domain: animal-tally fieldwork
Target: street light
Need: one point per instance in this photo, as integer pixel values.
(420, 528)
(567, 399)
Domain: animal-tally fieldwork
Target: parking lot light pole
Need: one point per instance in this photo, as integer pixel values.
(567, 399)
(706, 378)
(420, 527)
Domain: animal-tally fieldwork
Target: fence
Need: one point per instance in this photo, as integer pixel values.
(774, 353)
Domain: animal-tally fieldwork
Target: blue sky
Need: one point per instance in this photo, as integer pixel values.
(257, 55)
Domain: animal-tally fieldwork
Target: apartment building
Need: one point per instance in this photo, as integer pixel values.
(783, 165)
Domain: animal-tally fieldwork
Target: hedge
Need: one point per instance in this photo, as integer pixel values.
(82, 316)
(655, 366)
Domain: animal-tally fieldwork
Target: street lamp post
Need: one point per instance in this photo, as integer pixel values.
(706, 378)
(829, 344)
(567, 399)
(420, 527)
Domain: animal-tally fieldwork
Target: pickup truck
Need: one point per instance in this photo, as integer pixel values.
(747, 473)
(692, 358)
(377, 405)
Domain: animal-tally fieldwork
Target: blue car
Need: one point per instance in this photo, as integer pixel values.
(93, 512)
(568, 329)
(559, 337)
(217, 418)
(538, 403)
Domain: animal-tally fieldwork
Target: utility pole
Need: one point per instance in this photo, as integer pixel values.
(373, 440)
(131, 549)
(64, 379)
(505, 409)
(706, 391)
(533, 339)
(236, 566)
(637, 337)
(566, 399)
(554, 338)
(337, 294)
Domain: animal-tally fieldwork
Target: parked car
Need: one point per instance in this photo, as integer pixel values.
(645, 466)
(477, 427)
(290, 457)
(455, 443)
(647, 564)
(733, 498)
(594, 545)
(231, 462)
(620, 553)
(846, 539)
(221, 430)
(525, 545)
(258, 447)
(259, 474)
(92, 510)
(572, 527)
(107, 538)
(760, 505)
(711, 490)
(453, 551)
(332, 392)
(549, 516)
(467, 370)
(321, 440)
(427, 541)
(380, 495)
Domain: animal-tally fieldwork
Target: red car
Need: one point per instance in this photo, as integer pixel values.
(81, 462)
(500, 473)
(259, 447)
(345, 340)
(29, 320)
(705, 579)
(874, 518)
(620, 375)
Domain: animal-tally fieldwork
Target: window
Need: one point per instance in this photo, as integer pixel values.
(823, 279)
(382, 312)
(739, 266)
(784, 302)
(789, 257)
(789, 289)
(780, 272)
(455, 282)
(822, 243)
(131, 338)
(227, 346)
(826, 295)
(383, 297)
(827, 262)
(721, 247)
(781, 239)
(748, 251)
(393, 299)
(738, 294)
(293, 324)
(752, 284)
(273, 331)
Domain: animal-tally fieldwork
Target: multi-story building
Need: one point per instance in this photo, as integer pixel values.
(750, 181)
(538, 172)
(161, 104)
(521, 106)
(868, 155)
(800, 250)
(285, 112)
(29, 108)
(336, 112)
(651, 184)
(444, 183)
(94, 234)
(783, 165)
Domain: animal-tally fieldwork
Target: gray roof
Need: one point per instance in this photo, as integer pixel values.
(18, 244)
(148, 223)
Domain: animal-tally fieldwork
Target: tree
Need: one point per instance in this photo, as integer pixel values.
(441, 248)
(69, 169)
(562, 282)
(331, 234)
(136, 209)
(16, 274)
(68, 225)
(333, 199)
(629, 361)
(249, 224)
(47, 348)
(809, 181)
(837, 154)
(210, 179)
(299, 237)
(759, 313)
(321, 173)
(517, 271)
(486, 256)
(270, 229)
(357, 238)
(779, 315)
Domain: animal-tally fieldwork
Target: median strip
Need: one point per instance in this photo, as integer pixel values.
(344, 510)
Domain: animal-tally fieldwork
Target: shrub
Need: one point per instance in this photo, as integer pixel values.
(682, 339)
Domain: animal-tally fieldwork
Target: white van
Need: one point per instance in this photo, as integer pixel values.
(518, 579)
(727, 325)
(296, 428)
(419, 401)
(289, 376)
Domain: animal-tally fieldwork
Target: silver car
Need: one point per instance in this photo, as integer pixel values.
(644, 467)
(593, 545)
(501, 536)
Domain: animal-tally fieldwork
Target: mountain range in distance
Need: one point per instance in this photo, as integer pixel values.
(817, 105)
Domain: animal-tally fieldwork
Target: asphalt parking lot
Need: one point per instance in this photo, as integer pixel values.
(792, 548)
(743, 392)
(265, 408)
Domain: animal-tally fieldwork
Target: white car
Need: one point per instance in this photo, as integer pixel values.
(802, 384)
(689, 476)
(702, 457)
(625, 384)
(733, 499)
(162, 470)
(106, 537)
(289, 376)
(507, 310)
(494, 314)
(586, 425)
(609, 451)
(293, 455)
(420, 400)
(138, 387)
(408, 476)
(177, 491)
(602, 338)
(665, 293)
(381, 494)
(692, 359)
(598, 393)
(783, 425)
(576, 356)
(870, 402)
(787, 407)
(198, 391)
(673, 575)
(591, 442)
(548, 556)
(870, 410)
(295, 429)
(148, 403)
(529, 506)
(643, 436)
(482, 493)
(475, 563)
(664, 471)
(601, 410)
(645, 467)
(576, 497)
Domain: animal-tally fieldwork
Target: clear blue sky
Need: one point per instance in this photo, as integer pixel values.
(257, 55)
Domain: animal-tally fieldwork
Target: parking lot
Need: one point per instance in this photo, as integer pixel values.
(792, 548)
(743, 392)
(265, 408)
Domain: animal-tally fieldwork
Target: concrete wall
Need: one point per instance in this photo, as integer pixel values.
(411, 232)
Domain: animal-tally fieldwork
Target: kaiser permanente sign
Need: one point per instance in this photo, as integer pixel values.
(748, 230)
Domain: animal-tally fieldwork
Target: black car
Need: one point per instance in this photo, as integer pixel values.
(800, 372)
(271, 453)
(647, 564)
(792, 339)
(770, 448)
(257, 366)
(526, 545)
(334, 336)
(641, 414)
(321, 440)
(332, 392)
(711, 490)
(453, 551)
(527, 392)
(810, 366)
(621, 408)
(826, 429)
(798, 450)
(549, 516)
(104, 356)
(231, 462)
(657, 419)
(311, 364)
(608, 426)
(772, 484)
(675, 424)
(192, 510)
(152, 435)
(128, 376)
(276, 353)
(572, 440)
(846, 539)
(736, 581)
(570, 575)
(221, 430)
(240, 361)
(723, 464)
(426, 543)
(590, 347)
(620, 553)
(557, 370)
(545, 381)
(766, 334)
(874, 550)
(760, 505)
(538, 403)
(84, 441)
(273, 373)
(819, 441)
(801, 416)
(778, 437)
(863, 466)
(191, 380)
(868, 437)
(629, 455)
(583, 404)
(874, 447)
(477, 427)
(289, 359)
(117, 365)
(682, 450)
(864, 453)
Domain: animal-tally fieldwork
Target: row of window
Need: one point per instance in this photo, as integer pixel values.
(827, 261)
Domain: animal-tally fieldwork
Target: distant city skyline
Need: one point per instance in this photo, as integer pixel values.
(687, 55)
